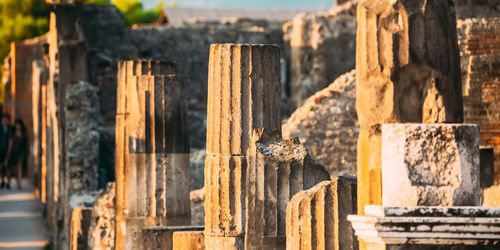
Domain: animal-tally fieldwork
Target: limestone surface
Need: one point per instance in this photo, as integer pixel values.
(276, 170)
(316, 218)
(327, 126)
(408, 70)
(102, 225)
(430, 165)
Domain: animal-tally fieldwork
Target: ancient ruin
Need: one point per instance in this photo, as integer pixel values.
(372, 125)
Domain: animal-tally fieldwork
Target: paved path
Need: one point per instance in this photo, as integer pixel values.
(21, 223)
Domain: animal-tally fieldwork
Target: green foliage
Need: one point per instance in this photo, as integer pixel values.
(98, 2)
(20, 20)
(135, 13)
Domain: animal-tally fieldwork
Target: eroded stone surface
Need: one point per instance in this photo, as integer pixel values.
(408, 70)
(316, 218)
(102, 225)
(430, 164)
(327, 126)
(276, 170)
(189, 240)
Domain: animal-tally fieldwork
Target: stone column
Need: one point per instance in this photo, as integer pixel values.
(243, 94)
(152, 150)
(408, 70)
(276, 170)
(430, 165)
(317, 218)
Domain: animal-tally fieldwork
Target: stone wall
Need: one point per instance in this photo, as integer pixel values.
(479, 41)
(188, 45)
(322, 47)
(327, 125)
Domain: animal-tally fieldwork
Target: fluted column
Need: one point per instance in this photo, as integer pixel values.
(152, 150)
(276, 170)
(243, 94)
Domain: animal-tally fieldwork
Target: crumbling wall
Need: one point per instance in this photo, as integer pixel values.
(322, 47)
(327, 126)
(479, 42)
(102, 225)
(188, 45)
(477, 8)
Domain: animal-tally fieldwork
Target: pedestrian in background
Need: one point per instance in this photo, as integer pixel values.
(5, 134)
(17, 153)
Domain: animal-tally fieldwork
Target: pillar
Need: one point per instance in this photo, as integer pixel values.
(317, 218)
(243, 94)
(152, 150)
(277, 169)
(408, 70)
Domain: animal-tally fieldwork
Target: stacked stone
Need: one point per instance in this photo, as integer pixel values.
(479, 40)
(322, 47)
(152, 150)
(317, 218)
(408, 70)
(277, 169)
(244, 93)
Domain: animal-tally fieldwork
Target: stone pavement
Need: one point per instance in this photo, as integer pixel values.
(21, 223)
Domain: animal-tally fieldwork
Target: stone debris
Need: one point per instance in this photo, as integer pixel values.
(327, 126)
(101, 232)
(408, 70)
(197, 198)
(276, 170)
(430, 165)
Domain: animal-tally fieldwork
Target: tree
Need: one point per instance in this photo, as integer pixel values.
(133, 10)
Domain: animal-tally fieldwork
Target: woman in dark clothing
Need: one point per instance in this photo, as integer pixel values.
(17, 153)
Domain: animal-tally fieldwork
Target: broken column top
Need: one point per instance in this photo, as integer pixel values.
(148, 67)
(243, 94)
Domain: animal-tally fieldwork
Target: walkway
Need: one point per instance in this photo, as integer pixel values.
(21, 223)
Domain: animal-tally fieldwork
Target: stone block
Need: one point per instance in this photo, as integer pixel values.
(408, 70)
(189, 240)
(430, 165)
(276, 170)
(243, 94)
(317, 218)
(161, 238)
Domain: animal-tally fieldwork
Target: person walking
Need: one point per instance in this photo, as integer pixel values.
(17, 153)
(5, 134)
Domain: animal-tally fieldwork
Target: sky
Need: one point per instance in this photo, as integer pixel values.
(291, 4)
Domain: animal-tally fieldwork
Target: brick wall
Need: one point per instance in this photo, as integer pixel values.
(479, 40)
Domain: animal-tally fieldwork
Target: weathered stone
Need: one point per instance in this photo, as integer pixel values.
(477, 8)
(430, 165)
(40, 76)
(188, 240)
(317, 218)
(102, 226)
(197, 167)
(197, 198)
(80, 223)
(412, 228)
(161, 238)
(322, 47)
(276, 170)
(407, 67)
(244, 93)
(81, 137)
(152, 150)
(64, 2)
(327, 126)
